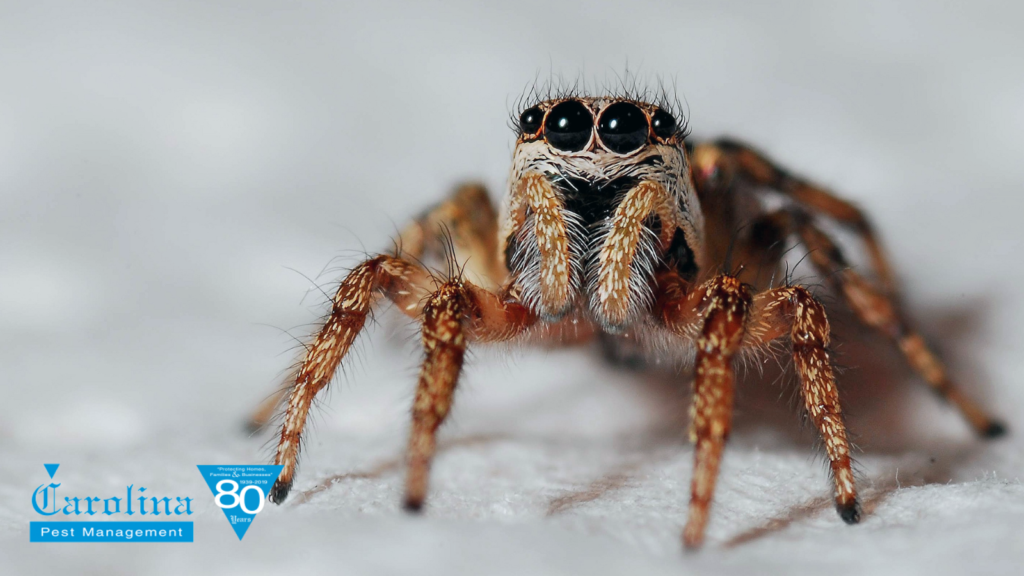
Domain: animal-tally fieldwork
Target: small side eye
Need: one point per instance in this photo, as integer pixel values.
(569, 126)
(663, 124)
(530, 120)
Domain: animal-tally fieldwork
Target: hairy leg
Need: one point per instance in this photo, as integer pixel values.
(878, 311)
(792, 311)
(716, 164)
(722, 327)
(404, 283)
(444, 342)
(468, 219)
(721, 316)
(486, 316)
(452, 315)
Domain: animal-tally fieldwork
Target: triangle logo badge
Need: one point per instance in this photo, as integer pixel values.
(51, 469)
(240, 491)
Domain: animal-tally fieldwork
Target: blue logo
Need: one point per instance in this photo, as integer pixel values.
(240, 491)
(46, 502)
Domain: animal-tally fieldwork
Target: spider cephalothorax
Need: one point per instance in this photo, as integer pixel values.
(613, 225)
(600, 193)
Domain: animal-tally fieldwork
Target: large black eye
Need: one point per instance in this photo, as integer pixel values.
(568, 126)
(622, 127)
(663, 123)
(529, 121)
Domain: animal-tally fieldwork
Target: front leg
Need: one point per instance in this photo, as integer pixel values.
(722, 318)
(792, 311)
(467, 224)
(402, 282)
(444, 344)
(456, 310)
(726, 302)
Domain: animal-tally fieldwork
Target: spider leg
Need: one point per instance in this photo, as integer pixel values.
(404, 283)
(879, 311)
(444, 344)
(407, 284)
(726, 159)
(717, 164)
(468, 219)
(457, 312)
(265, 410)
(711, 412)
(487, 317)
(721, 317)
(793, 311)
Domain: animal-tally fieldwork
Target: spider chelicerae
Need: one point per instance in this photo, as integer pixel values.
(614, 226)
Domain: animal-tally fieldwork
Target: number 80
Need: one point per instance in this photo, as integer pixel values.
(238, 497)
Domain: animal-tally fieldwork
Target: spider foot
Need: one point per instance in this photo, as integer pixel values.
(995, 429)
(280, 491)
(850, 513)
(413, 505)
(252, 426)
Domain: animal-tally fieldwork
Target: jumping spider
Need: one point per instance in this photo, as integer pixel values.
(615, 226)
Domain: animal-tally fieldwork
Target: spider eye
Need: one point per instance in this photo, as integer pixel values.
(623, 127)
(663, 123)
(529, 121)
(568, 126)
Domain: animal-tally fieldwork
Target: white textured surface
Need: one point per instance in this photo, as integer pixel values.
(162, 166)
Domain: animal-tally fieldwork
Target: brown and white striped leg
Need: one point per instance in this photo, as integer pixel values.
(455, 309)
(467, 219)
(880, 312)
(793, 311)
(716, 164)
(444, 344)
(404, 283)
(730, 319)
(456, 312)
(711, 411)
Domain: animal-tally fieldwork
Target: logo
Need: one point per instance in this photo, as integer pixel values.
(46, 502)
(240, 491)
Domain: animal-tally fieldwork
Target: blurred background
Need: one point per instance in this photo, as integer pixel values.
(175, 177)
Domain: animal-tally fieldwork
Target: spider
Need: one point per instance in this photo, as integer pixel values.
(616, 227)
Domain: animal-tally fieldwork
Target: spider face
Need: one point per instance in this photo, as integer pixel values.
(599, 198)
